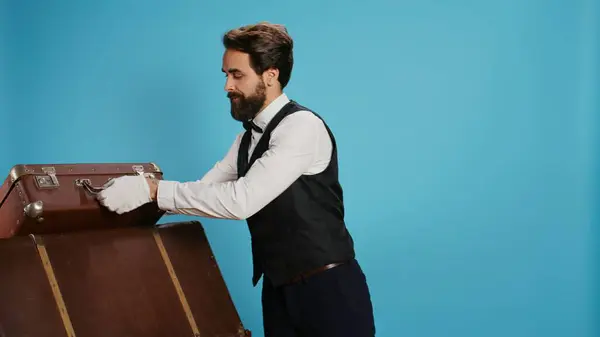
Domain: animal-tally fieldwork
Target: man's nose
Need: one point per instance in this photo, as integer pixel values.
(229, 87)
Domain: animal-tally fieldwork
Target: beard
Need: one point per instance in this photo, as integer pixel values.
(245, 108)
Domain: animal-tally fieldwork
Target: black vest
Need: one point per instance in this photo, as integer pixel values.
(303, 228)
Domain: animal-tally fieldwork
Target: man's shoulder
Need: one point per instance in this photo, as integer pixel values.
(302, 119)
(301, 126)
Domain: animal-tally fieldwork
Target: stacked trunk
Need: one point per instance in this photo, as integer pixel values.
(69, 267)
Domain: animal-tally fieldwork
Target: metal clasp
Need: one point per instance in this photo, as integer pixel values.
(139, 169)
(49, 180)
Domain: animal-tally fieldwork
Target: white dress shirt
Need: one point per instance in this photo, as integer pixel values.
(299, 145)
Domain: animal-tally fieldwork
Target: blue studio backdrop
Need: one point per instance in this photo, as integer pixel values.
(468, 135)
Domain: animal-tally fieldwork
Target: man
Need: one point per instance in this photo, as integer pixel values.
(281, 176)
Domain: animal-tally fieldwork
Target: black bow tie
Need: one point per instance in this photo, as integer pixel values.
(250, 125)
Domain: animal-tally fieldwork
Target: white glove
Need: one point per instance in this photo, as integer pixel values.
(125, 193)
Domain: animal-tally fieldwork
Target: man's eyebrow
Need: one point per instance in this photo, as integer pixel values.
(231, 70)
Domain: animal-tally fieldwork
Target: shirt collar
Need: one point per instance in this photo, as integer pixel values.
(264, 117)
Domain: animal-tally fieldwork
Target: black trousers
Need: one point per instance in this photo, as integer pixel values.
(332, 303)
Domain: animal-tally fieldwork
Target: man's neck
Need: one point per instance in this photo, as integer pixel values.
(270, 98)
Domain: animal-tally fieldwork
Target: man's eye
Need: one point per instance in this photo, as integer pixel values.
(235, 75)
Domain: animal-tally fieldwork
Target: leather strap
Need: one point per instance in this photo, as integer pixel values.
(60, 303)
(175, 280)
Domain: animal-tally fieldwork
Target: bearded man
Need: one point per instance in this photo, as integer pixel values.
(281, 176)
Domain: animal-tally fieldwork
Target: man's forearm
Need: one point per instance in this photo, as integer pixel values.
(290, 154)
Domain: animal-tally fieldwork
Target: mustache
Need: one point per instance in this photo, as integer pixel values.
(231, 95)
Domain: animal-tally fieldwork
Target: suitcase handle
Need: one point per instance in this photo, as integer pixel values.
(87, 185)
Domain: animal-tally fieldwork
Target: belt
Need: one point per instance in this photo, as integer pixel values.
(312, 272)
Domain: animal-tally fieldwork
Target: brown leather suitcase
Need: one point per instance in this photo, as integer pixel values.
(54, 198)
(122, 282)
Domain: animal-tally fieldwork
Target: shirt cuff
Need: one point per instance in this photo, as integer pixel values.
(165, 195)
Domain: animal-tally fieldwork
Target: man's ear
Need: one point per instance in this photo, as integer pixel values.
(271, 76)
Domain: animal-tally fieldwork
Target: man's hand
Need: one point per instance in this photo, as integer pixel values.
(125, 193)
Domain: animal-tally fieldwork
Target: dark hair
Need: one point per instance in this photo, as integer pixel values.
(269, 46)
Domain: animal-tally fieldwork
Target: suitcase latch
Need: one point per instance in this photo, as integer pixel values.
(139, 169)
(49, 180)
